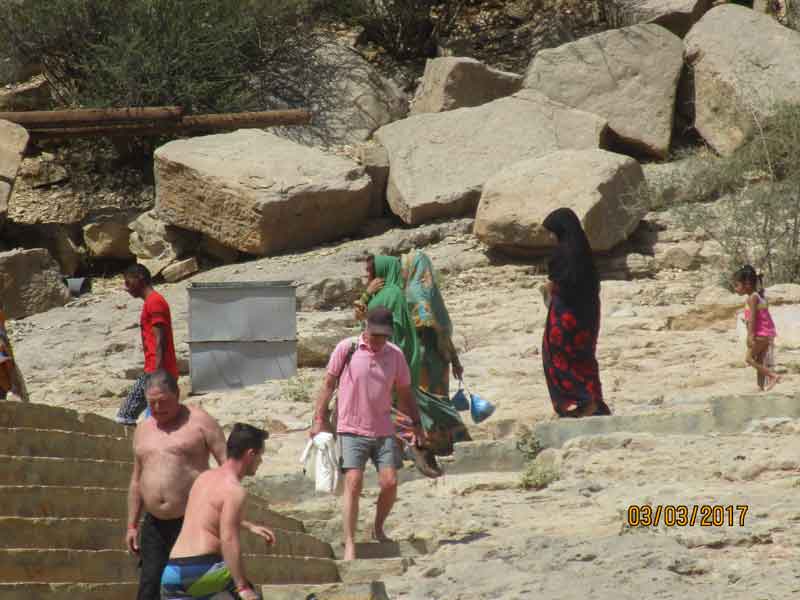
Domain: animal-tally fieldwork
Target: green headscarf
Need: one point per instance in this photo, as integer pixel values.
(423, 296)
(393, 297)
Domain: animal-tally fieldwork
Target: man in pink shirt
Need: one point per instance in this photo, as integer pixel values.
(366, 376)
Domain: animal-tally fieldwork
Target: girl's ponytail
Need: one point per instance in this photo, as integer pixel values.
(760, 285)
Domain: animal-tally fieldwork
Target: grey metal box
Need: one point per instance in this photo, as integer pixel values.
(241, 333)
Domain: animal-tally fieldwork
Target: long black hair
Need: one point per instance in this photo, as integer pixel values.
(571, 265)
(747, 274)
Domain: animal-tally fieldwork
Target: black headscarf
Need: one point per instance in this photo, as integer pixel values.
(571, 265)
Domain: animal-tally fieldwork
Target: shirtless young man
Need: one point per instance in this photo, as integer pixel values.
(171, 448)
(206, 561)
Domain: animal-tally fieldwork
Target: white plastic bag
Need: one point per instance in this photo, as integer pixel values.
(322, 454)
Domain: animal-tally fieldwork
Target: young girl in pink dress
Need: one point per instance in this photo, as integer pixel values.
(760, 326)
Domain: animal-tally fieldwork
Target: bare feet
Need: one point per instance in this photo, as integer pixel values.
(773, 381)
(349, 551)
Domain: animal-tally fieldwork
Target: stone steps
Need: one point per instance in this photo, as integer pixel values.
(63, 444)
(84, 472)
(358, 571)
(112, 566)
(107, 534)
(69, 591)
(15, 415)
(96, 502)
(379, 550)
(724, 415)
(374, 590)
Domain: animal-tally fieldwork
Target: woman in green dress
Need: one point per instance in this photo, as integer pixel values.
(422, 330)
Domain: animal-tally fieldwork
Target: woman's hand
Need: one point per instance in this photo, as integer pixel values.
(360, 310)
(375, 286)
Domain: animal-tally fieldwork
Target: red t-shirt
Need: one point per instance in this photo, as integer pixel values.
(156, 312)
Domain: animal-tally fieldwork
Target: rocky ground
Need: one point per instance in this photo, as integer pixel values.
(668, 346)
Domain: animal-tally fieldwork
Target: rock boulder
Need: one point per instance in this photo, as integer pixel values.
(375, 160)
(156, 245)
(628, 76)
(744, 63)
(676, 15)
(439, 162)
(457, 82)
(30, 282)
(108, 239)
(349, 98)
(593, 183)
(259, 193)
(13, 141)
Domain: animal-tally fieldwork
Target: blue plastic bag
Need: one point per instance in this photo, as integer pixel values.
(480, 409)
(460, 400)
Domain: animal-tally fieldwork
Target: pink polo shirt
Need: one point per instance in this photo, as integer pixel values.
(365, 387)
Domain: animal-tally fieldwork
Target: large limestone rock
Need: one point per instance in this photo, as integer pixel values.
(348, 97)
(156, 245)
(439, 162)
(458, 82)
(676, 15)
(30, 282)
(13, 141)
(593, 183)
(108, 239)
(743, 64)
(259, 193)
(375, 160)
(628, 76)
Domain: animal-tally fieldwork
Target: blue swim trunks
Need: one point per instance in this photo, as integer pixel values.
(203, 577)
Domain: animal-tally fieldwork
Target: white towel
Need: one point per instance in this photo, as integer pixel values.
(322, 454)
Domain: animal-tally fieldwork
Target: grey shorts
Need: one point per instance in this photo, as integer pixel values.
(356, 449)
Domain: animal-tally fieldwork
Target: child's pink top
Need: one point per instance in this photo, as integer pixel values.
(765, 326)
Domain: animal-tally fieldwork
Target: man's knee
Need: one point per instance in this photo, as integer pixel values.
(387, 479)
(354, 480)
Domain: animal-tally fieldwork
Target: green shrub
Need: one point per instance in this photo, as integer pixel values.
(529, 445)
(299, 388)
(200, 54)
(406, 29)
(749, 201)
(538, 477)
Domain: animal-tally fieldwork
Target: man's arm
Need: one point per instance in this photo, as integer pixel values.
(230, 521)
(134, 504)
(321, 405)
(161, 344)
(215, 437)
(264, 533)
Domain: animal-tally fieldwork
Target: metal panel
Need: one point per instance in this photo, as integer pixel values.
(241, 333)
(231, 365)
(242, 311)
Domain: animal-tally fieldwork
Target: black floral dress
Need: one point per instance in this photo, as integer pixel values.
(568, 355)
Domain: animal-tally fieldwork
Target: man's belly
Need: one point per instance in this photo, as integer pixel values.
(164, 488)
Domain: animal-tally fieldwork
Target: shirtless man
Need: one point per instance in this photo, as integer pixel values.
(171, 448)
(206, 560)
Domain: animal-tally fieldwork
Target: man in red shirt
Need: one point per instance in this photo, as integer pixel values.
(159, 349)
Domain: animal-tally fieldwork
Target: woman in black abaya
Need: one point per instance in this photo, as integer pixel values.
(573, 321)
